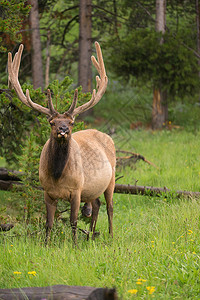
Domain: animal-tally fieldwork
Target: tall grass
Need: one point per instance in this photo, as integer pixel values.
(155, 240)
(155, 251)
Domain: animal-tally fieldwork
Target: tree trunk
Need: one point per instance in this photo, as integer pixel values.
(47, 59)
(160, 107)
(85, 47)
(198, 33)
(36, 56)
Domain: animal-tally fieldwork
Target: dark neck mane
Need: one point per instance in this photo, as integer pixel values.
(57, 157)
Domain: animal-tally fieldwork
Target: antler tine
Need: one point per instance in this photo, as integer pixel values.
(17, 59)
(100, 60)
(74, 102)
(15, 64)
(13, 82)
(50, 103)
(101, 82)
(38, 107)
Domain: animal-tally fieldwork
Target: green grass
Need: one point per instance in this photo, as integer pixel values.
(155, 239)
(175, 153)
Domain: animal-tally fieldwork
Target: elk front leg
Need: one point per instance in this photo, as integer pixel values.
(51, 209)
(75, 205)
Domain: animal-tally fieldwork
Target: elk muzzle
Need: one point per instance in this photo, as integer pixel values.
(63, 131)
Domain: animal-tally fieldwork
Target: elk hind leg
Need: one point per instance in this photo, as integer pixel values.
(95, 212)
(109, 204)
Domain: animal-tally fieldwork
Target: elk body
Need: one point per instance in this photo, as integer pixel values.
(78, 167)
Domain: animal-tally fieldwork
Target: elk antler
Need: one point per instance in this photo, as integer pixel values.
(101, 85)
(13, 82)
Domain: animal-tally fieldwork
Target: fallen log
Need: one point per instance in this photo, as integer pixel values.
(6, 227)
(12, 179)
(10, 175)
(121, 189)
(151, 191)
(59, 292)
(7, 185)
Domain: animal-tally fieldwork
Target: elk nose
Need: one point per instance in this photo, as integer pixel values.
(64, 128)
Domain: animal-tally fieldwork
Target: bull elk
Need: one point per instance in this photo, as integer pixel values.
(78, 167)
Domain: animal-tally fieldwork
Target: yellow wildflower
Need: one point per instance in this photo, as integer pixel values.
(151, 289)
(17, 273)
(140, 280)
(133, 291)
(32, 273)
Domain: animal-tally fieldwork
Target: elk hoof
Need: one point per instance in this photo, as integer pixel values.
(86, 210)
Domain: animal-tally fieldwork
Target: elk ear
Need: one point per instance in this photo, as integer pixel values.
(52, 123)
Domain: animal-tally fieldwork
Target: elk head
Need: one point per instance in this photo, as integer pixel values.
(61, 124)
(61, 127)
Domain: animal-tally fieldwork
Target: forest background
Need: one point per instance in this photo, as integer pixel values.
(151, 51)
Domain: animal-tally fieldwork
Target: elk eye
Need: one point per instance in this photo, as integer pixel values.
(52, 124)
(72, 123)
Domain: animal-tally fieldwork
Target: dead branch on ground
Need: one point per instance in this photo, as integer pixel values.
(151, 191)
(135, 156)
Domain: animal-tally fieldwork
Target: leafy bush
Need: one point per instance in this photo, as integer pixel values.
(140, 54)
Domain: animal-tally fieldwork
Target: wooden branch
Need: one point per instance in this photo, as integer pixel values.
(151, 191)
(135, 155)
(63, 292)
(7, 185)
